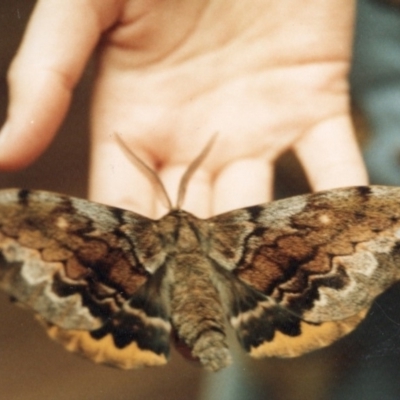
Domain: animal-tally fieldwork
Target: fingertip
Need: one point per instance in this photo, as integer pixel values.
(243, 183)
(28, 131)
(16, 153)
(331, 155)
(57, 43)
(5, 162)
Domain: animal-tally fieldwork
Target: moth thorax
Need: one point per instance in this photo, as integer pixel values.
(178, 234)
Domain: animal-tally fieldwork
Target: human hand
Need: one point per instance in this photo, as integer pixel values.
(265, 75)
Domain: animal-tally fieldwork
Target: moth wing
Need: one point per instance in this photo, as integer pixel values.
(318, 260)
(82, 268)
(309, 337)
(104, 350)
(138, 335)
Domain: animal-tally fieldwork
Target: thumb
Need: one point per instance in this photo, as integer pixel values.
(57, 44)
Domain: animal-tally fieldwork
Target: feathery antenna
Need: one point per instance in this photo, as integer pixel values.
(190, 171)
(155, 179)
(146, 170)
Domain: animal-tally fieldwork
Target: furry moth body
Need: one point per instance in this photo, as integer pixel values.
(290, 276)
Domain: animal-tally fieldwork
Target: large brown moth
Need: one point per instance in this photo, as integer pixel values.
(290, 276)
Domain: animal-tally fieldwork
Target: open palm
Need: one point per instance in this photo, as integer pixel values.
(265, 75)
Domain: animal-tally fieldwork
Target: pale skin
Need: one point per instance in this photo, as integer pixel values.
(265, 75)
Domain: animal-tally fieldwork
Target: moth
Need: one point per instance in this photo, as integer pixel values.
(289, 276)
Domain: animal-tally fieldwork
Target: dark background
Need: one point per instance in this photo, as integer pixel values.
(363, 365)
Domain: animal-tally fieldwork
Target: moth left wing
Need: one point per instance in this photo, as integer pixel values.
(318, 260)
(79, 266)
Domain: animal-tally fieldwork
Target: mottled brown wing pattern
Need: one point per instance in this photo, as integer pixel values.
(75, 263)
(318, 260)
(292, 275)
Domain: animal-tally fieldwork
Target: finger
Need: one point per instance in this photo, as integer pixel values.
(57, 43)
(330, 155)
(242, 183)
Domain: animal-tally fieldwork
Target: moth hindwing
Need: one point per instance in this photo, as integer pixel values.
(290, 276)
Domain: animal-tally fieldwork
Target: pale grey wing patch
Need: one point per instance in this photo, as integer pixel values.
(323, 256)
(372, 268)
(26, 277)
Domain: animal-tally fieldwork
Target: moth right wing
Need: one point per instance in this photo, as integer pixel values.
(79, 265)
(311, 265)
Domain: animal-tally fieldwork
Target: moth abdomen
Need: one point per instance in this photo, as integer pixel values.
(196, 310)
(211, 349)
